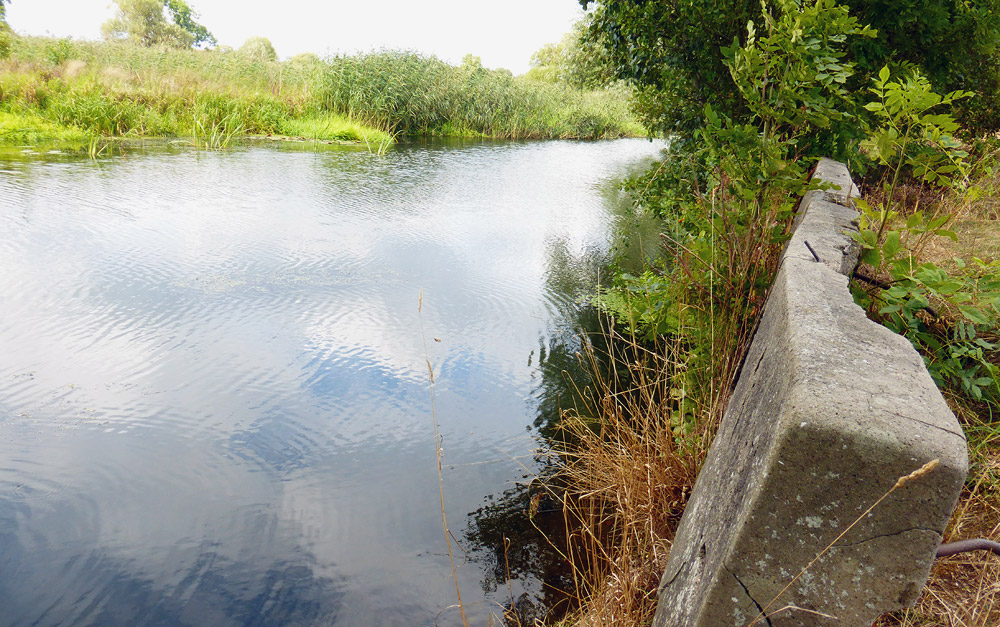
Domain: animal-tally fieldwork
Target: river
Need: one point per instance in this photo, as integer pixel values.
(215, 405)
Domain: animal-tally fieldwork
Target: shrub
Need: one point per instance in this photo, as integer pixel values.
(258, 49)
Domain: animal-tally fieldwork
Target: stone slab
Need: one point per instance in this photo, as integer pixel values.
(829, 411)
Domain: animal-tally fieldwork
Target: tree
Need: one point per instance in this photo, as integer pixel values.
(670, 49)
(577, 60)
(5, 33)
(955, 43)
(258, 49)
(184, 17)
(145, 22)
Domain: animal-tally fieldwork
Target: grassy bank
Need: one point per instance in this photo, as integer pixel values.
(62, 90)
(659, 383)
(631, 451)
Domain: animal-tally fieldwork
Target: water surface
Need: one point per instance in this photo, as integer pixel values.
(214, 394)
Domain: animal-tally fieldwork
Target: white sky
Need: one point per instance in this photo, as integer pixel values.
(503, 34)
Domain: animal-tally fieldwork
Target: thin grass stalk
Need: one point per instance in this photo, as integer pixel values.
(439, 454)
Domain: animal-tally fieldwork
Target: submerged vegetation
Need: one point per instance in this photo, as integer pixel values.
(64, 90)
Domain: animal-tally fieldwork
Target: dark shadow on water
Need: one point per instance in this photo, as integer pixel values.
(520, 534)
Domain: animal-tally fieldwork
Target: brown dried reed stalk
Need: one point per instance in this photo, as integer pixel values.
(438, 452)
(630, 468)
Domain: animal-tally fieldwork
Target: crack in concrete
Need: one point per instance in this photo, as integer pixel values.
(760, 608)
(664, 584)
(885, 535)
(759, 360)
(886, 412)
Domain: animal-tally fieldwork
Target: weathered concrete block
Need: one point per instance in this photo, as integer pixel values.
(843, 187)
(829, 411)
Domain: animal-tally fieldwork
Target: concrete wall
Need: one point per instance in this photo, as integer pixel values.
(829, 411)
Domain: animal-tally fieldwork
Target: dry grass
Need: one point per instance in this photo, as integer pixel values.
(630, 455)
(964, 590)
(630, 473)
(976, 222)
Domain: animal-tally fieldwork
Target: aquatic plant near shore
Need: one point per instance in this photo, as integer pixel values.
(411, 94)
(115, 89)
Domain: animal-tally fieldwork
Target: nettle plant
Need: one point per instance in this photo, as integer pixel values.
(950, 317)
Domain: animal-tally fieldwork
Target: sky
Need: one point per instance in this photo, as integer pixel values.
(503, 34)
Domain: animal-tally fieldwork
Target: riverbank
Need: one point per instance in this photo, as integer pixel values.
(657, 389)
(59, 90)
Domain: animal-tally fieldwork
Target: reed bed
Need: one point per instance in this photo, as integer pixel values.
(120, 90)
(411, 94)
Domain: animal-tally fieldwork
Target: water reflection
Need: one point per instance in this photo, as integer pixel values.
(520, 534)
(213, 389)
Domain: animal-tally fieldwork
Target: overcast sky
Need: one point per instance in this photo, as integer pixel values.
(502, 33)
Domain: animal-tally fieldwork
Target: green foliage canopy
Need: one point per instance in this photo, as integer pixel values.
(258, 49)
(5, 34)
(183, 17)
(578, 60)
(670, 49)
(144, 22)
(955, 43)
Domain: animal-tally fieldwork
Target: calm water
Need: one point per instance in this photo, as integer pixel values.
(214, 399)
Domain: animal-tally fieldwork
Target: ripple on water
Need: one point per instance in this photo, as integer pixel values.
(214, 395)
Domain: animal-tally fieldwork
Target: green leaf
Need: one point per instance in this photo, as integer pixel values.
(902, 268)
(891, 245)
(917, 301)
(949, 287)
(974, 314)
(938, 222)
(872, 257)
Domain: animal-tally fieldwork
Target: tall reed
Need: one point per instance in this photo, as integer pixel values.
(117, 89)
(628, 468)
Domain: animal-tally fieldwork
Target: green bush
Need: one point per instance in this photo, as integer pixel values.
(258, 49)
(947, 316)
(5, 41)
